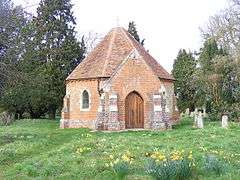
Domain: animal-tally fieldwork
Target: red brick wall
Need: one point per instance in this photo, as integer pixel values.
(135, 75)
(75, 88)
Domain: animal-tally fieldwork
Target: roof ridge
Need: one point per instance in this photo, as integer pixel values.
(118, 67)
(109, 51)
(125, 34)
(136, 48)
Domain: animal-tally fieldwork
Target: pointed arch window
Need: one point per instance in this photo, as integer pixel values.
(85, 100)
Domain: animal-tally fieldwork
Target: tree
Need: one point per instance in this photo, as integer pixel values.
(58, 48)
(215, 79)
(224, 27)
(91, 40)
(12, 19)
(183, 69)
(207, 53)
(133, 31)
(219, 62)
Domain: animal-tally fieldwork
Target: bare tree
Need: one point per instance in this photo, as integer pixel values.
(225, 27)
(91, 40)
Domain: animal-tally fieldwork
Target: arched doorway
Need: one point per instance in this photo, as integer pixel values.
(134, 111)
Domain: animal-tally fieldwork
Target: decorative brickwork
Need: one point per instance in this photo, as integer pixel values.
(157, 121)
(160, 117)
(165, 114)
(113, 121)
(101, 122)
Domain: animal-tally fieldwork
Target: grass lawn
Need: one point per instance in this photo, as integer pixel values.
(38, 149)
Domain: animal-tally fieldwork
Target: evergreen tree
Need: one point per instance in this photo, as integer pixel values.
(183, 69)
(12, 19)
(214, 78)
(133, 31)
(209, 51)
(58, 48)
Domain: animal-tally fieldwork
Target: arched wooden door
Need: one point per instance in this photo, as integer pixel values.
(134, 111)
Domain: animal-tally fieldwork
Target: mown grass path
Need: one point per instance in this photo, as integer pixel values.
(38, 149)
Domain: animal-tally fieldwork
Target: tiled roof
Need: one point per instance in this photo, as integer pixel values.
(109, 54)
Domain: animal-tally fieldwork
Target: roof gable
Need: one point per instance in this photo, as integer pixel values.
(105, 58)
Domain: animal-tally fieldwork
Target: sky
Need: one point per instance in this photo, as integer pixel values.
(167, 25)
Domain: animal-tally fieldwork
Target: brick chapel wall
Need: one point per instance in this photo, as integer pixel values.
(75, 88)
(135, 75)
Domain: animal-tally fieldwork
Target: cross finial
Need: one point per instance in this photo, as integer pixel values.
(117, 21)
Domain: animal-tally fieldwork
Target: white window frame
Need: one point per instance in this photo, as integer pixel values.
(81, 100)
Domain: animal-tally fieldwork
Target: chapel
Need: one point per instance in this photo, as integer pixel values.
(119, 86)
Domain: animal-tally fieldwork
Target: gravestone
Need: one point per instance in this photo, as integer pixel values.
(204, 112)
(200, 120)
(225, 121)
(187, 112)
(195, 117)
(192, 114)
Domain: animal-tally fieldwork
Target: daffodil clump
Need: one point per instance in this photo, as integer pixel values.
(158, 156)
(175, 155)
(175, 165)
(120, 164)
(82, 150)
(86, 135)
(126, 157)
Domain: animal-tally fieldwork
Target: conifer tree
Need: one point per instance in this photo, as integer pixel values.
(11, 21)
(183, 69)
(58, 48)
(133, 31)
(209, 51)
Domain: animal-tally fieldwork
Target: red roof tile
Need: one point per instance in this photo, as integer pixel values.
(109, 54)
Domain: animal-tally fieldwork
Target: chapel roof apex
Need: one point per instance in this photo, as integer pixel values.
(106, 57)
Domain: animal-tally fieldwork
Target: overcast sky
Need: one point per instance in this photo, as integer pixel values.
(167, 25)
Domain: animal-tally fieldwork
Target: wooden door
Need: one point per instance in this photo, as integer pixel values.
(134, 112)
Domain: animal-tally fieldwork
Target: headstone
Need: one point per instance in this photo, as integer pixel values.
(182, 114)
(225, 121)
(195, 117)
(204, 112)
(192, 114)
(200, 120)
(187, 112)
